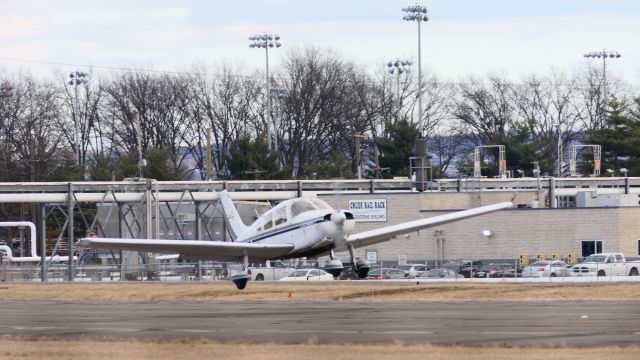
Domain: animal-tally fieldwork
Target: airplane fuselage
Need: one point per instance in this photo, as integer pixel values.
(311, 232)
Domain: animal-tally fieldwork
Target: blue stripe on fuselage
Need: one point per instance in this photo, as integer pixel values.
(284, 230)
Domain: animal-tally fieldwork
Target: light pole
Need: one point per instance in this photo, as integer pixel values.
(559, 150)
(278, 92)
(604, 55)
(399, 67)
(266, 41)
(5, 92)
(418, 14)
(77, 78)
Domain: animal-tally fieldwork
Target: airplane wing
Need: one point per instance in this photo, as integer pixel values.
(193, 249)
(386, 233)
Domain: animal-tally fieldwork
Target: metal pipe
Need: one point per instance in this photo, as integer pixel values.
(552, 190)
(43, 243)
(70, 206)
(61, 198)
(34, 255)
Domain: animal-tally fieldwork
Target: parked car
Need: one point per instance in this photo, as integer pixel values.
(440, 274)
(308, 275)
(412, 270)
(349, 274)
(606, 264)
(546, 268)
(496, 271)
(271, 270)
(464, 267)
(385, 273)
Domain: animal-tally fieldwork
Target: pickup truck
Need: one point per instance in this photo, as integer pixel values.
(606, 264)
(273, 270)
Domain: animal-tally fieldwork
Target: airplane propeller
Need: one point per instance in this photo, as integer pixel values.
(339, 224)
(339, 219)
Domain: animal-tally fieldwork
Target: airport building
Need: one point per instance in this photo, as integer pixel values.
(527, 229)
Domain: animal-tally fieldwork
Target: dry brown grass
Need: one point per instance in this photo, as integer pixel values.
(201, 349)
(344, 291)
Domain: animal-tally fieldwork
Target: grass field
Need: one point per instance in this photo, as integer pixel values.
(23, 348)
(204, 349)
(343, 291)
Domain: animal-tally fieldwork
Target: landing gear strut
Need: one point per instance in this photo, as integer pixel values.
(240, 280)
(360, 266)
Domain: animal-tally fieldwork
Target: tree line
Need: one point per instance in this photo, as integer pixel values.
(321, 105)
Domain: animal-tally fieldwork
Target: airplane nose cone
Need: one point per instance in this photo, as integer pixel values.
(338, 218)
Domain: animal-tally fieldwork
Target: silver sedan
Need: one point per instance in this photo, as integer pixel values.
(547, 268)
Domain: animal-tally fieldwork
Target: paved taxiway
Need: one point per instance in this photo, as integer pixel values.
(514, 323)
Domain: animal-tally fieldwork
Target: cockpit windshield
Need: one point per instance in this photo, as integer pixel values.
(300, 206)
(320, 204)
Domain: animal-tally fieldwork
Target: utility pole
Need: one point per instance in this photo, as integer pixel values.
(209, 156)
(141, 162)
(358, 167)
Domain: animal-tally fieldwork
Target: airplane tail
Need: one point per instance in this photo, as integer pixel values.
(235, 226)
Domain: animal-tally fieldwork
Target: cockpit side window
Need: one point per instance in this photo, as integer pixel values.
(267, 223)
(301, 206)
(280, 216)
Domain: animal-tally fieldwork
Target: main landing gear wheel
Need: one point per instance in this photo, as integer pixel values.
(361, 268)
(240, 280)
(334, 267)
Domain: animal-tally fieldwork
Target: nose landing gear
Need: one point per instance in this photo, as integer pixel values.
(240, 280)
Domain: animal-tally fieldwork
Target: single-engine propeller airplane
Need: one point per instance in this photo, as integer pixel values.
(295, 228)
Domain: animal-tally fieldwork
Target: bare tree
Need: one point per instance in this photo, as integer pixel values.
(162, 104)
(228, 104)
(319, 94)
(485, 110)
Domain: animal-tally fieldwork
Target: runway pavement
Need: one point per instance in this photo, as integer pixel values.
(471, 323)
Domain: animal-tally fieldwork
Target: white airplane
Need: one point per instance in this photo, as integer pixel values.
(294, 228)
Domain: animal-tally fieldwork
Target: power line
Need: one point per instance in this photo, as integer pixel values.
(85, 26)
(123, 68)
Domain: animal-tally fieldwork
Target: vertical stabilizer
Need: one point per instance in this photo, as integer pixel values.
(235, 226)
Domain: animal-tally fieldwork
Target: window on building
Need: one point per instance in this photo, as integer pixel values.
(638, 247)
(590, 247)
(566, 201)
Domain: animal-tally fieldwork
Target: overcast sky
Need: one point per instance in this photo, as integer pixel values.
(514, 37)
